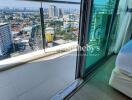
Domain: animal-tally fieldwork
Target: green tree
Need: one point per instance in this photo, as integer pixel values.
(57, 26)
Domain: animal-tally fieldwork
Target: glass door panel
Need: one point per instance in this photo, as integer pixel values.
(101, 14)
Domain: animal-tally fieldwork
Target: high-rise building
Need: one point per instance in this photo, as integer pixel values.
(53, 11)
(5, 39)
(60, 13)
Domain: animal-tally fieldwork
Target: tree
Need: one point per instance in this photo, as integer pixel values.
(57, 26)
(69, 36)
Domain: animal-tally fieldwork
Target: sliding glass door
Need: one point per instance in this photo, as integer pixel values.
(99, 18)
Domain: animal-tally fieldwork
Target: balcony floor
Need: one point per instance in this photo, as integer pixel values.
(97, 88)
(40, 79)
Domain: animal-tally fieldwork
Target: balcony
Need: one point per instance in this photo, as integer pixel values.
(38, 75)
(38, 45)
(41, 48)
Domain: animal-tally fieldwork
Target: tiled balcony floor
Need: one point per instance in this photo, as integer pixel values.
(40, 79)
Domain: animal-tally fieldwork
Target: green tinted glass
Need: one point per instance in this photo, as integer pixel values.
(102, 11)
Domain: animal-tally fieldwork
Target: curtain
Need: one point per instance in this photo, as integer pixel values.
(125, 24)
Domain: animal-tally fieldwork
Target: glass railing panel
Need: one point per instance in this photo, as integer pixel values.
(24, 35)
(24, 29)
(61, 23)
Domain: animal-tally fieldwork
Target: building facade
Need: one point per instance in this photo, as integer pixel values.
(60, 13)
(5, 39)
(53, 11)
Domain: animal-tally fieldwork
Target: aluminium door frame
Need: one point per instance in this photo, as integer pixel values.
(85, 12)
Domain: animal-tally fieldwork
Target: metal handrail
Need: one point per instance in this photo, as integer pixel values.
(54, 1)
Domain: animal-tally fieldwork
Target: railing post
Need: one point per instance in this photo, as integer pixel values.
(43, 27)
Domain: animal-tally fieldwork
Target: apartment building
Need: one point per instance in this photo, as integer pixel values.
(5, 39)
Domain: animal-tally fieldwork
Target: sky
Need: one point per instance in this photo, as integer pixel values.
(31, 4)
(22, 4)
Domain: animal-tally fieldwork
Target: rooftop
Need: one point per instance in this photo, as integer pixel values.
(2, 24)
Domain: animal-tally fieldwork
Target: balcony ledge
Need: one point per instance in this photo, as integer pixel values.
(22, 59)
